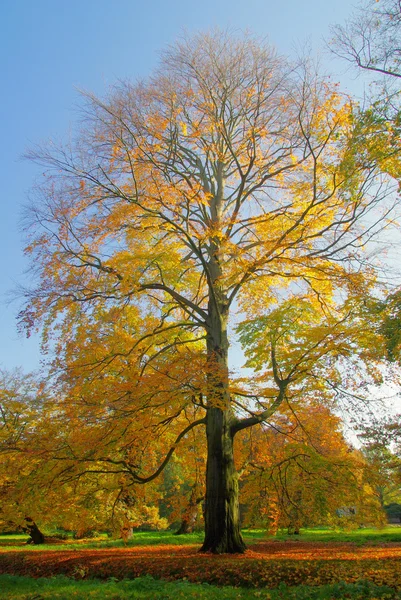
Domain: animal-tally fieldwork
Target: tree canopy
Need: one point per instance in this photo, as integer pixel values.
(231, 182)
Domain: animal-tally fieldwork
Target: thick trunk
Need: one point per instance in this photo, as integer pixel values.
(33, 531)
(222, 524)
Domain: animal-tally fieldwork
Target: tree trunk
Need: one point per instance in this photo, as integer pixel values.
(185, 527)
(33, 531)
(126, 533)
(293, 529)
(295, 514)
(191, 514)
(222, 524)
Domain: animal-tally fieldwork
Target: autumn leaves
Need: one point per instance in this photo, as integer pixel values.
(230, 181)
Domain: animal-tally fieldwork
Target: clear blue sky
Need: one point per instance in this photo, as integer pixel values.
(49, 48)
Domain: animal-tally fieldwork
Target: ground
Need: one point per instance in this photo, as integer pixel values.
(267, 564)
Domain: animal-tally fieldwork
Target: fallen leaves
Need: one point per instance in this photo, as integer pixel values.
(265, 564)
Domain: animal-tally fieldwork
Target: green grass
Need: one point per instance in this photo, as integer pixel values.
(141, 538)
(151, 538)
(13, 541)
(359, 536)
(62, 588)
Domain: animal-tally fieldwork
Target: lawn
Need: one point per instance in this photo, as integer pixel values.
(63, 588)
(360, 564)
(357, 536)
(152, 538)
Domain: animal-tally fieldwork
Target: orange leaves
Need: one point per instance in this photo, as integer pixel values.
(265, 565)
(190, 162)
(227, 179)
(299, 470)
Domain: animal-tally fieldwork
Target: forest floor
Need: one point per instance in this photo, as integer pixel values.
(267, 564)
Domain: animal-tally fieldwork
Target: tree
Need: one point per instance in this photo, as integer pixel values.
(386, 313)
(227, 180)
(301, 472)
(39, 487)
(306, 471)
(21, 405)
(371, 39)
(386, 467)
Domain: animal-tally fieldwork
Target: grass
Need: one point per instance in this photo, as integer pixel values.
(254, 574)
(62, 588)
(140, 538)
(151, 538)
(358, 536)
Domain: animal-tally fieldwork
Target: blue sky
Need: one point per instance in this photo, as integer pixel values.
(51, 48)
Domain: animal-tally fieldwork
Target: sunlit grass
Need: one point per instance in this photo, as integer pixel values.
(362, 535)
(140, 538)
(62, 588)
(151, 538)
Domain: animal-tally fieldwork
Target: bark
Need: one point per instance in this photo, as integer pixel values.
(186, 526)
(126, 533)
(295, 514)
(191, 514)
(222, 522)
(293, 529)
(33, 531)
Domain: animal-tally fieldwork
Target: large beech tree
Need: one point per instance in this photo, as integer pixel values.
(229, 180)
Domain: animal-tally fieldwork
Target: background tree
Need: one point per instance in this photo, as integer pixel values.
(370, 41)
(302, 473)
(371, 38)
(228, 179)
(381, 447)
(323, 356)
(22, 401)
(42, 486)
(386, 465)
